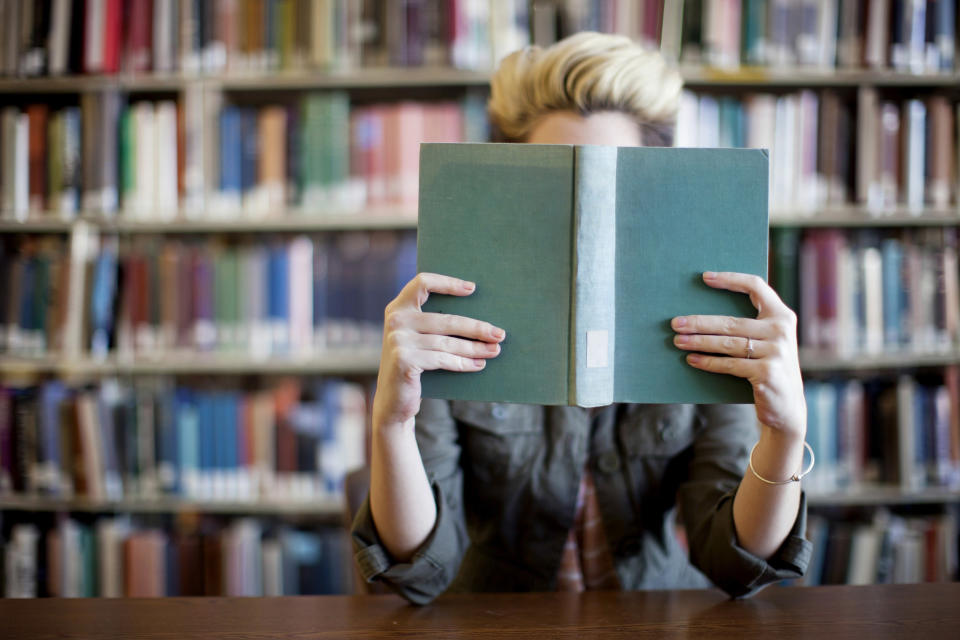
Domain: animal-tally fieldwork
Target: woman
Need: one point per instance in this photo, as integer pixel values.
(497, 497)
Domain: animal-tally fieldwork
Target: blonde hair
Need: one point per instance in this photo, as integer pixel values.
(586, 73)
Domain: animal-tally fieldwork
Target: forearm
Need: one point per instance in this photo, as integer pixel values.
(764, 514)
(401, 501)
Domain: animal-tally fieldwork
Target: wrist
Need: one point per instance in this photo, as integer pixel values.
(778, 455)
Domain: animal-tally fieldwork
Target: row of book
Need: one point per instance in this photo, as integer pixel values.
(154, 160)
(291, 297)
(889, 549)
(114, 557)
(891, 432)
(292, 440)
(827, 151)
(916, 36)
(58, 37)
(868, 292)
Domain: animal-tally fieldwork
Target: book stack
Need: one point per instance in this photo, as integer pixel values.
(915, 36)
(889, 549)
(289, 297)
(812, 137)
(292, 441)
(871, 292)
(116, 557)
(902, 432)
(57, 37)
(155, 160)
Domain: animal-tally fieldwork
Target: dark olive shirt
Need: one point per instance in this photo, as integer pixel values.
(505, 478)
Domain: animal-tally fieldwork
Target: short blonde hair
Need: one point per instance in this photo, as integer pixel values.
(586, 73)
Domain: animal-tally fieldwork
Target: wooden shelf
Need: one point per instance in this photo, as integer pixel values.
(860, 217)
(343, 361)
(413, 77)
(328, 508)
(882, 495)
(814, 361)
(293, 222)
(798, 77)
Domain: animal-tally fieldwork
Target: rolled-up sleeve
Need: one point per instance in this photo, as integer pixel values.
(720, 456)
(435, 564)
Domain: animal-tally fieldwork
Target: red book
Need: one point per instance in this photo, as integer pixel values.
(139, 41)
(37, 116)
(112, 27)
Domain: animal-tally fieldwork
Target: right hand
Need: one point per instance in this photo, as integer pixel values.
(415, 341)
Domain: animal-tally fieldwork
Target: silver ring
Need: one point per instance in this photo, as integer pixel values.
(749, 348)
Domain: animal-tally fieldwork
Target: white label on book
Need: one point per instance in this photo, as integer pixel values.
(596, 349)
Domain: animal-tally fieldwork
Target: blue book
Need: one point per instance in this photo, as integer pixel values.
(112, 479)
(51, 478)
(165, 434)
(231, 152)
(250, 136)
(944, 32)
(103, 293)
(188, 442)
(205, 433)
(892, 267)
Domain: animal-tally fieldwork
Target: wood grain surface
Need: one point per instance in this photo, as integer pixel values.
(925, 611)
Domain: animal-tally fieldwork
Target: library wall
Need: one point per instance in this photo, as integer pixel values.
(204, 207)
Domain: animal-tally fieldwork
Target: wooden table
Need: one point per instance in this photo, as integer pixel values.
(925, 611)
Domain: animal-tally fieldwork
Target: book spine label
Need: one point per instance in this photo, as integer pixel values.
(593, 315)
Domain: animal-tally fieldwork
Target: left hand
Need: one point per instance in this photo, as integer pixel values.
(771, 365)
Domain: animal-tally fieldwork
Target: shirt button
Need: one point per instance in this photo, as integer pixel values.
(609, 462)
(499, 412)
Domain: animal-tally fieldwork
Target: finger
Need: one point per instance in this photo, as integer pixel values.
(762, 295)
(457, 346)
(432, 360)
(423, 284)
(724, 326)
(740, 367)
(452, 325)
(726, 345)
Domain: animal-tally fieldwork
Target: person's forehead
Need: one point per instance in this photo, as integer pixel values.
(568, 127)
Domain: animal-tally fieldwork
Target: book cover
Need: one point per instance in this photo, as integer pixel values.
(583, 255)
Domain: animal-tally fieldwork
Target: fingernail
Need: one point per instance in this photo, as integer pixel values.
(681, 339)
(693, 358)
(499, 334)
(496, 348)
(469, 286)
(709, 275)
(680, 322)
(479, 362)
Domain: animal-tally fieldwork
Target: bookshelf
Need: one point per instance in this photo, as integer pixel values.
(371, 76)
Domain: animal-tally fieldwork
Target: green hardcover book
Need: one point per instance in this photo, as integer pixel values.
(583, 254)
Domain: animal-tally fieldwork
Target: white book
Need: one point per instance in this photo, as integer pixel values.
(145, 163)
(810, 191)
(708, 122)
(21, 178)
(864, 552)
(872, 269)
(195, 136)
(827, 15)
(688, 121)
(915, 13)
(914, 155)
(826, 409)
(272, 568)
(784, 154)
(20, 563)
(59, 39)
(163, 35)
(846, 332)
(301, 296)
(671, 31)
(165, 128)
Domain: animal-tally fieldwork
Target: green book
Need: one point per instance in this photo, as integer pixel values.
(583, 255)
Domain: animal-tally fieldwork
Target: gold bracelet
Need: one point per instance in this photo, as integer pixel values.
(794, 478)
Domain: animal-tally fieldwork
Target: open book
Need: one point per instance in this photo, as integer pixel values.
(583, 255)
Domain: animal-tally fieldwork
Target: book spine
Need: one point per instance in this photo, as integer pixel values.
(593, 295)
